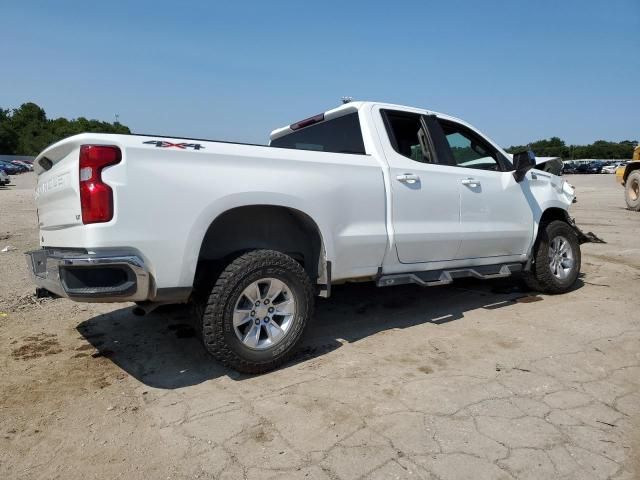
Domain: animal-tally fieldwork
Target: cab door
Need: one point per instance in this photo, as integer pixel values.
(495, 214)
(425, 195)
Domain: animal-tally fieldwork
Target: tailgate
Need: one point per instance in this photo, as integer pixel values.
(57, 191)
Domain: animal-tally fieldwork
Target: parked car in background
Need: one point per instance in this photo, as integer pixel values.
(12, 169)
(23, 168)
(22, 163)
(611, 168)
(595, 167)
(590, 167)
(582, 168)
(569, 168)
(4, 178)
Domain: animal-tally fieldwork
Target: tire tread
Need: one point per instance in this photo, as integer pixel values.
(541, 279)
(632, 204)
(212, 326)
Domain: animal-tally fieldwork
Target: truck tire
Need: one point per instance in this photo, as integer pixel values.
(257, 311)
(557, 258)
(632, 191)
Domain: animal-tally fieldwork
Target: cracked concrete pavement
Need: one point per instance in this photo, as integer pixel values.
(478, 380)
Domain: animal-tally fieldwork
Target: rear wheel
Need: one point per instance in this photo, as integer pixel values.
(632, 190)
(557, 259)
(257, 311)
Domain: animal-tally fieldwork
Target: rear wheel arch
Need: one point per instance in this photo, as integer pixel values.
(254, 227)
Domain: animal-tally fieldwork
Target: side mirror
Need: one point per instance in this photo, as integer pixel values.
(523, 162)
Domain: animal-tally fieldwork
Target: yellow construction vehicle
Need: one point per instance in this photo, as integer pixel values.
(629, 177)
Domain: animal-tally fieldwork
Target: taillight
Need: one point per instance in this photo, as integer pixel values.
(96, 197)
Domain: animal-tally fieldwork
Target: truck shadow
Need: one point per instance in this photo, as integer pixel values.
(162, 350)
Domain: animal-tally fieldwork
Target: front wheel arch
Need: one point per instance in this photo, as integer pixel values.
(548, 216)
(538, 274)
(558, 214)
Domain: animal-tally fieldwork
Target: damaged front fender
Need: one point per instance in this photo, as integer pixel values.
(588, 237)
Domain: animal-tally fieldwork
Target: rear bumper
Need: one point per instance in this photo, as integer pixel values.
(90, 277)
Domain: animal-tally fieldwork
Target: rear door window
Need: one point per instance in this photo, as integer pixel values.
(406, 135)
(338, 135)
(417, 137)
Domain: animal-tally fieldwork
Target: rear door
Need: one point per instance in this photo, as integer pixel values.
(425, 203)
(496, 216)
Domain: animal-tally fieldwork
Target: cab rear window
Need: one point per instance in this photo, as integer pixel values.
(337, 135)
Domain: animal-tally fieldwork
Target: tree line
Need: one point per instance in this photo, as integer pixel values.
(600, 149)
(27, 130)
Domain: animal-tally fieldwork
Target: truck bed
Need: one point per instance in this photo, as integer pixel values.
(167, 192)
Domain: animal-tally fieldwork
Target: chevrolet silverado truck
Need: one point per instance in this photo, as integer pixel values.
(249, 234)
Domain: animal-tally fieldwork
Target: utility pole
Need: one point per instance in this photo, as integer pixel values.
(117, 118)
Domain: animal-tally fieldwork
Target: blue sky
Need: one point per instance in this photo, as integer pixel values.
(235, 70)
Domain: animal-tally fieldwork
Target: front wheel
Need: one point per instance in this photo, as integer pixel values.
(257, 311)
(557, 258)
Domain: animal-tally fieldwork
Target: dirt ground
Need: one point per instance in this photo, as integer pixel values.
(477, 380)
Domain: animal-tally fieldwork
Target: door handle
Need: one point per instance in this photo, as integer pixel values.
(408, 178)
(472, 182)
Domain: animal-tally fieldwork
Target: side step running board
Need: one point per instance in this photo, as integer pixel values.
(432, 278)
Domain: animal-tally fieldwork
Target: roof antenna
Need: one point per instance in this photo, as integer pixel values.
(347, 100)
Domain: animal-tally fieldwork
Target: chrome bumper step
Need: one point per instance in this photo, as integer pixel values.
(432, 278)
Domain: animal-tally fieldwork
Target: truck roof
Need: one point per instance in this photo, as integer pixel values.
(351, 107)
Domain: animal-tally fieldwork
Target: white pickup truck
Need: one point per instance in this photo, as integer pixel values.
(250, 233)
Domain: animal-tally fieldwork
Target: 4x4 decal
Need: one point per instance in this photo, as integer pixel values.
(165, 144)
